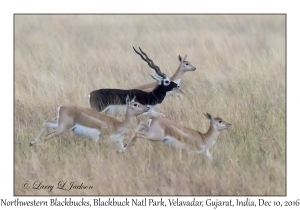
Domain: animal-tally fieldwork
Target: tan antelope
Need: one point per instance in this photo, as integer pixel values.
(184, 66)
(176, 135)
(90, 123)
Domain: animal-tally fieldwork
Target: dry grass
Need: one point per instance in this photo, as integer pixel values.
(240, 77)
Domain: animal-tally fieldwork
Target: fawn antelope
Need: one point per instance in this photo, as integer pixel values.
(113, 100)
(183, 67)
(90, 123)
(176, 135)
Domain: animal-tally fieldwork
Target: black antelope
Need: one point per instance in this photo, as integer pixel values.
(113, 100)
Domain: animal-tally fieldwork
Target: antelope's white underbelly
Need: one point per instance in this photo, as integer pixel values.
(173, 142)
(81, 130)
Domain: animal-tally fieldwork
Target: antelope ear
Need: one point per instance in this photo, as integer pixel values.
(208, 116)
(184, 57)
(153, 77)
(133, 100)
(127, 100)
(179, 58)
(157, 78)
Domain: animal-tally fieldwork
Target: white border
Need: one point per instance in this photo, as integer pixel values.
(8, 8)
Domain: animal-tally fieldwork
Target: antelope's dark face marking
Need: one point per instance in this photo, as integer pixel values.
(169, 85)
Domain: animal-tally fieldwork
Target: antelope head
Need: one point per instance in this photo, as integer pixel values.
(218, 123)
(185, 65)
(135, 108)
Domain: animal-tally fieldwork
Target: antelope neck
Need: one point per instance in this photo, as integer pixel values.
(212, 133)
(177, 76)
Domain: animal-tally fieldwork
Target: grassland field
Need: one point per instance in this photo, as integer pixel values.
(240, 77)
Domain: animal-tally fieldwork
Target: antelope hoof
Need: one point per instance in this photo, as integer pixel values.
(32, 143)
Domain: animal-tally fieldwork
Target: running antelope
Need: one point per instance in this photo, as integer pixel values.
(183, 67)
(113, 100)
(176, 135)
(90, 123)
